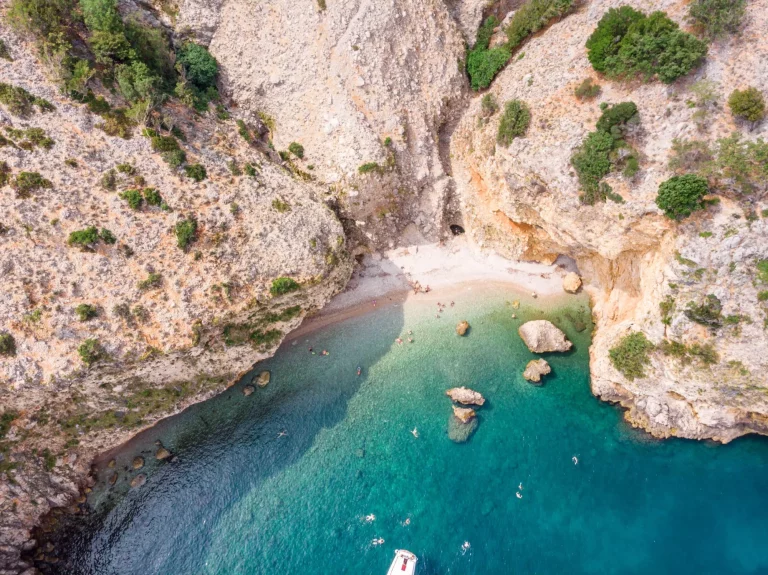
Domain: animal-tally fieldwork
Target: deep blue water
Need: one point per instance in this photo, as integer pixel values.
(242, 499)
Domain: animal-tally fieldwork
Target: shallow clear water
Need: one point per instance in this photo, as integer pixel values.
(243, 499)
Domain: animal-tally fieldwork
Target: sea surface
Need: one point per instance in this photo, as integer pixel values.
(319, 473)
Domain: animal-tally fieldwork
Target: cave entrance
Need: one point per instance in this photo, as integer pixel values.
(456, 229)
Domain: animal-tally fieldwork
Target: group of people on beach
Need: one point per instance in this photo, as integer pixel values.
(441, 308)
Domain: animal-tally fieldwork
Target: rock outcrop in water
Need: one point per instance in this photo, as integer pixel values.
(465, 396)
(535, 369)
(462, 327)
(463, 414)
(571, 282)
(543, 336)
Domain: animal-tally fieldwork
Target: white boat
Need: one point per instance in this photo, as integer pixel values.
(403, 564)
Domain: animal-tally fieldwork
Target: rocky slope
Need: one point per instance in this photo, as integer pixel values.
(356, 83)
(523, 201)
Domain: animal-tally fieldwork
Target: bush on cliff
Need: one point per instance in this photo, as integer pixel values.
(627, 44)
(7, 344)
(514, 122)
(718, 18)
(630, 356)
(283, 285)
(680, 196)
(747, 104)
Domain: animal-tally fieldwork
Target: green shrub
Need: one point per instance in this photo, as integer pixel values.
(762, 271)
(747, 104)
(615, 120)
(133, 197)
(39, 17)
(296, 149)
(369, 167)
(200, 67)
(483, 65)
(20, 102)
(592, 162)
(163, 143)
(250, 170)
(718, 18)
(107, 236)
(265, 338)
(680, 196)
(186, 231)
(283, 285)
(154, 280)
(488, 105)
(7, 344)
(153, 197)
(86, 311)
(703, 352)
(244, 132)
(174, 158)
(281, 206)
(762, 295)
(84, 238)
(630, 356)
(627, 44)
(4, 53)
(27, 182)
(7, 417)
(708, 313)
(514, 122)
(234, 168)
(196, 172)
(109, 180)
(532, 17)
(587, 90)
(90, 351)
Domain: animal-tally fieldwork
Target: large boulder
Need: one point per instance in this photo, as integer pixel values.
(535, 369)
(465, 396)
(571, 282)
(541, 336)
(162, 453)
(263, 380)
(138, 462)
(462, 328)
(463, 414)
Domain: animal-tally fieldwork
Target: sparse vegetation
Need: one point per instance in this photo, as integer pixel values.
(7, 345)
(748, 104)
(281, 206)
(84, 238)
(707, 313)
(587, 90)
(196, 172)
(154, 280)
(600, 153)
(133, 198)
(20, 102)
(630, 355)
(91, 351)
(296, 149)
(186, 232)
(680, 196)
(718, 18)
(369, 167)
(283, 285)
(705, 353)
(107, 236)
(628, 44)
(27, 182)
(86, 311)
(514, 122)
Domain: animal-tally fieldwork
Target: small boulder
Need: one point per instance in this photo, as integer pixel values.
(139, 480)
(463, 414)
(465, 396)
(162, 453)
(138, 462)
(535, 369)
(263, 379)
(248, 390)
(111, 463)
(542, 336)
(571, 282)
(462, 328)
(459, 432)
(113, 479)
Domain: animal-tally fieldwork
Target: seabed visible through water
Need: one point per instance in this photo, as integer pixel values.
(309, 474)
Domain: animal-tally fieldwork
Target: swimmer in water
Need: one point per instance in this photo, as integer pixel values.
(464, 547)
(359, 370)
(370, 518)
(407, 522)
(519, 495)
(410, 340)
(415, 432)
(520, 487)
(575, 460)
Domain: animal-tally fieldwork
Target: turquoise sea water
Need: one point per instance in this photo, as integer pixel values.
(245, 499)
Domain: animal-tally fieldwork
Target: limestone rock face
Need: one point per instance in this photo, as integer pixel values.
(462, 328)
(535, 369)
(465, 396)
(571, 282)
(542, 336)
(463, 414)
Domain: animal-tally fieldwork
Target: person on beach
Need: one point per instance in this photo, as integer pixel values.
(452, 303)
(399, 341)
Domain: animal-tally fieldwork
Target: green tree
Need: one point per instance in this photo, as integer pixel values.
(605, 40)
(514, 122)
(718, 18)
(747, 104)
(630, 356)
(680, 196)
(200, 67)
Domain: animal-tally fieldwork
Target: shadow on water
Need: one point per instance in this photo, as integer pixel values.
(227, 446)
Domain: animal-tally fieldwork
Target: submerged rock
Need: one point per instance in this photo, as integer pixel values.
(248, 390)
(111, 463)
(460, 432)
(162, 453)
(571, 282)
(113, 479)
(138, 462)
(541, 336)
(465, 396)
(535, 369)
(139, 480)
(263, 380)
(462, 328)
(463, 414)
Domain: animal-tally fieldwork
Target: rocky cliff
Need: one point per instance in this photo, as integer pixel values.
(179, 297)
